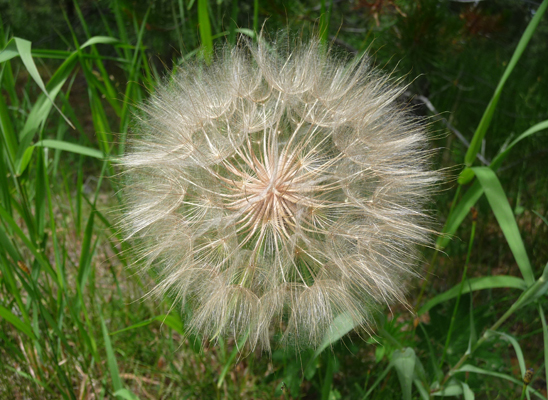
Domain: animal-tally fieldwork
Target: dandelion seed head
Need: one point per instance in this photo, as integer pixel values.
(276, 189)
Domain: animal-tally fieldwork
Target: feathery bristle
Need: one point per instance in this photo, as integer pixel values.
(277, 189)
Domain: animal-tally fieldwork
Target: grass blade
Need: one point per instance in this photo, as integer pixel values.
(517, 349)
(73, 148)
(24, 49)
(532, 130)
(486, 282)
(460, 212)
(205, 30)
(21, 326)
(471, 368)
(505, 217)
(111, 359)
(545, 337)
(490, 110)
(340, 326)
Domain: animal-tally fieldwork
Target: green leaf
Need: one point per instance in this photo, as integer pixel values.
(460, 212)
(73, 148)
(505, 217)
(40, 111)
(517, 348)
(454, 389)
(341, 325)
(473, 338)
(172, 321)
(471, 368)
(376, 383)
(24, 161)
(17, 323)
(532, 130)
(9, 52)
(404, 363)
(111, 359)
(545, 337)
(467, 392)
(231, 358)
(30, 245)
(465, 176)
(100, 40)
(490, 110)
(24, 49)
(205, 30)
(422, 391)
(485, 282)
(126, 394)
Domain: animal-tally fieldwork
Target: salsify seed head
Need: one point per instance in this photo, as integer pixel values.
(276, 189)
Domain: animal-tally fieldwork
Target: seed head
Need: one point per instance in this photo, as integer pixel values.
(276, 189)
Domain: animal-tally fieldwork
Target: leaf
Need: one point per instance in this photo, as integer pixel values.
(404, 363)
(73, 148)
(473, 339)
(465, 176)
(40, 111)
(545, 337)
(100, 40)
(341, 325)
(467, 392)
(17, 323)
(231, 358)
(379, 379)
(534, 129)
(126, 394)
(205, 30)
(8, 220)
(172, 321)
(471, 368)
(505, 217)
(517, 348)
(111, 359)
(474, 284)
(24, 50)
(422, 391)
(462, 209)
(490, 110)
(454, 389)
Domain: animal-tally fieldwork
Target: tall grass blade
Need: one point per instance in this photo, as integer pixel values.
(111, 359)
(256, 16)
(517, 349)
(71, 147)
(545, 338)
(460, 212)
(474, 284)
(233, 23)
(205, 30)
(341, 325)
(21, 326)
(505, 217)
(475, 144)
(476, 370)
(23, 49)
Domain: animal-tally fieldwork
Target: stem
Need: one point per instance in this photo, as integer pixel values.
(454, 316)
(525, 297)
(435, 255)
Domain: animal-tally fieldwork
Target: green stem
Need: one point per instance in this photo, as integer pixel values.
(435, 255)
(454, 316)
(528, 295)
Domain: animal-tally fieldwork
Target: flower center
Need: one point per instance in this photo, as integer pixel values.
(265, 193)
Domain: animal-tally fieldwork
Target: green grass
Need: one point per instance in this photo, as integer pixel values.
(75, 321)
